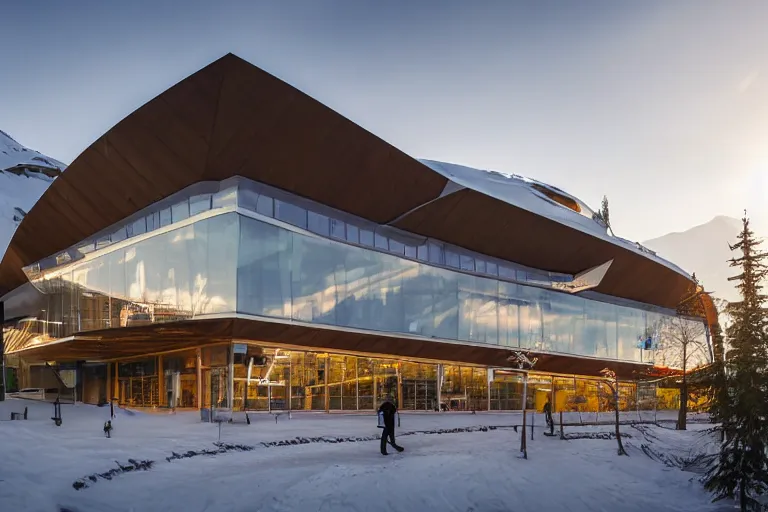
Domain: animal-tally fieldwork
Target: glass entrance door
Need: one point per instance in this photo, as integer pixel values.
(419, 394)
(215, 388)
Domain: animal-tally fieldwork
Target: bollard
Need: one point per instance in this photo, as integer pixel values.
(57, 412)
(532, 418)
(523, 447)
(562, 435)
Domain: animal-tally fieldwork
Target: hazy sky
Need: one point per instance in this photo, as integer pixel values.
(663, 106)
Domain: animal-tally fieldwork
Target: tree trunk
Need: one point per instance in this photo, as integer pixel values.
(683, 413)
(742, 496)
(616, 408)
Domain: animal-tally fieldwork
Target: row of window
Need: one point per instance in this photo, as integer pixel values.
(245, 195)
(366, 235)
(236, 264)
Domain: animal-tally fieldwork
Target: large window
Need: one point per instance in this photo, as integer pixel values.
(176, 275)
(287, 274)
(235, 263)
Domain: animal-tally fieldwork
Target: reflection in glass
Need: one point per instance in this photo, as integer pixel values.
(232, 263)
(180, 211)
(289, 275)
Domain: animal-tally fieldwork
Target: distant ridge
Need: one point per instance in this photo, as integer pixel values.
(704, 250)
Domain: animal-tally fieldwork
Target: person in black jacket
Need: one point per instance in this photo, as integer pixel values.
(388, 410)
(548, 417)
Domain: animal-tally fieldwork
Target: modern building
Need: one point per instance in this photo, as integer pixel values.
(235, 243)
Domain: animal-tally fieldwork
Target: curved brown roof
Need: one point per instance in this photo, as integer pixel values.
(227, 119)
(231, 118)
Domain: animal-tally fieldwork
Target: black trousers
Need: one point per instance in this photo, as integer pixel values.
(388, 432)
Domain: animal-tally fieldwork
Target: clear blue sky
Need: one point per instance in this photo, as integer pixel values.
(663, 106)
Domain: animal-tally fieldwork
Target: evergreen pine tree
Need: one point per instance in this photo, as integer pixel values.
(739, 403)
(605, 214)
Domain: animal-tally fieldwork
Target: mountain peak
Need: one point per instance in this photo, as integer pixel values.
(19, 159)
(704, 249)
(24, 175)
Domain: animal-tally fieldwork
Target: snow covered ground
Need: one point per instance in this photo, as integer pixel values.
(477, 470)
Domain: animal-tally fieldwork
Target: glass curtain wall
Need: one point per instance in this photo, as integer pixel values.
(507, 392)
(311, 381)
(176, 275)
(286, 274)
(233, 263)
(418, 387)
(180, 374)
(138, 383)
(465, 388)
(215, 376)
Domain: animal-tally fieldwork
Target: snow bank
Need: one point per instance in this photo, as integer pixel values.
(475, 468)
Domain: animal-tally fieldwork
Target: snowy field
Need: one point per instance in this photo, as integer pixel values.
(478, 469)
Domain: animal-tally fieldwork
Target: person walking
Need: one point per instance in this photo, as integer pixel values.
(387, 412)
(548, 416)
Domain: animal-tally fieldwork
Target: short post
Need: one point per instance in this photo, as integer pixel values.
(533, 416)
(562, 435)
(112, 408)
(57, 412)
(523, 447)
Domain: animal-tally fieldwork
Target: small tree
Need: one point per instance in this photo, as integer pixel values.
(739, 403)
(612, 381)
(523, 362)
(684, 342)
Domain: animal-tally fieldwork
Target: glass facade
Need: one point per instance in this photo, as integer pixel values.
(176, 275)
(307, 215)
(299, 380)
(239, 247)
(286, 274)
(234, 263)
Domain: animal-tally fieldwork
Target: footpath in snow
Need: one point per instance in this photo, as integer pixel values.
(452, 462)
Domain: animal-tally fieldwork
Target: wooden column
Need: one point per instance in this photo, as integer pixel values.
(325, 383)
(116, 382)
(160, 382)
(231, 380)
(109, 382)
(199, 358)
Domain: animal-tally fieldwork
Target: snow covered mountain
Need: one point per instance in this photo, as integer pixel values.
(704, 249)
(24, 176)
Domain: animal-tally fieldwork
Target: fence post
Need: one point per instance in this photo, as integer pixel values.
(562, 435)
(523, 447)
(532, 419)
